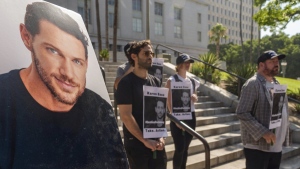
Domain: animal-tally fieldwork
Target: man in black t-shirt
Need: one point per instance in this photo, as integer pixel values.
(130, 101)
(48, 119)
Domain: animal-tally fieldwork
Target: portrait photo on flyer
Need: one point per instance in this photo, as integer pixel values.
(279, 92)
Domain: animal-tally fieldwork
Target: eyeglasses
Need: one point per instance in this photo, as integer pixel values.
(148, 53)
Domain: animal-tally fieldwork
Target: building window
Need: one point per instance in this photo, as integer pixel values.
(82, 13)
(158, 9)
(199, 17)
(177, 31)
(137, 24)
(199, 36)
(119, 48)
(111, 2)
(136, 5)
(111, 19)
(177, 13)
(208, 17)
(213, 18)
(158, 28)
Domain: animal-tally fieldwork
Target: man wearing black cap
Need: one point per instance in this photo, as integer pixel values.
(125, 68)
(262, 146)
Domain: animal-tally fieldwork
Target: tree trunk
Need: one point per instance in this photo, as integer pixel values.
(251, 35)
(241, 32)
(86, 22)
(115, 31)
(218, 48)
(259, 31)
(98, 28)
(106, 25)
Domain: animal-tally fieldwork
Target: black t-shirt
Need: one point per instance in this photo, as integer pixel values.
(31, 136)
(130, 91)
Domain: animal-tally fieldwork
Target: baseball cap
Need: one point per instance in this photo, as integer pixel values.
(183, 58)
(270, 54)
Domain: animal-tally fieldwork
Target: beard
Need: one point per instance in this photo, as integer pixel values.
(271, 72)
(145, 64)
(72, 98)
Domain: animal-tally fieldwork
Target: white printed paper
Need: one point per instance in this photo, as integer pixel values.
(181, 100)
(157, 68)
(154, 112)
(279, 92)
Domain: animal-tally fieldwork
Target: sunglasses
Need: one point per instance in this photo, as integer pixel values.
(148, 53)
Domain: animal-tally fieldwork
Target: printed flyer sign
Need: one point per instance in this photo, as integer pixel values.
(157, 68)
(181, 100)
(154, 112)
(279, 92)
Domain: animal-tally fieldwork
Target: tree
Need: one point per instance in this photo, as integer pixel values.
(241, 31)
(251, 35)
(215, 34)
(276, 14)
(98, 27)
(115, 31)
(106, 24)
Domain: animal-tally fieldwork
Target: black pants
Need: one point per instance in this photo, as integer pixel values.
(256, 159)
(182, 142)
(141, 157)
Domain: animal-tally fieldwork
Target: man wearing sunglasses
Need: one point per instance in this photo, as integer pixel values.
(130, 101)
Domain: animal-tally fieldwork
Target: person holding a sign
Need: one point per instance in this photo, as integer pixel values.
(262, 142)
(181, 138)
(48, 118)
(140, 151)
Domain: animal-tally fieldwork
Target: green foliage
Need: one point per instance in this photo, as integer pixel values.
(104, 53)
(206, 72)
(246, 71)
(216, 33)
(276, 14)
(292, 84)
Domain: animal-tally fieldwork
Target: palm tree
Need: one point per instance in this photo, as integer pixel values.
(241, 32)
(215, 34)
(115, 32)
(106, 24)
(98, 27)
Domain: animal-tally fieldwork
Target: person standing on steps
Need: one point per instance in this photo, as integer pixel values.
(262, 146)
(181, 138)
(130, 102)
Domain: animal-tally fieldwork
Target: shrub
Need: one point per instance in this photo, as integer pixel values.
(206, 72)
(246, 71)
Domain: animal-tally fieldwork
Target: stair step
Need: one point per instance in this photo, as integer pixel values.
(288, 160)
(205, 131)
(214, 142)
(217, 156)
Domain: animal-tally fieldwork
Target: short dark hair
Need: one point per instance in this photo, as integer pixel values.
(127, 48)
(136, 48)
(38, 11)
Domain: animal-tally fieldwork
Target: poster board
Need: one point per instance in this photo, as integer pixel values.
(154, 112)
(14, 54)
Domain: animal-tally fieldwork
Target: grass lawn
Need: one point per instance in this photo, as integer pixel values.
(292, 84)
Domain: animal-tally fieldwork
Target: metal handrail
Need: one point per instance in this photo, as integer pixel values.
(195, 134)
(240, 79)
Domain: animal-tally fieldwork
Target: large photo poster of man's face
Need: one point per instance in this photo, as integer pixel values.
(36, 32)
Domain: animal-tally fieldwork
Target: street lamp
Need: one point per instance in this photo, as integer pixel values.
(283, 67)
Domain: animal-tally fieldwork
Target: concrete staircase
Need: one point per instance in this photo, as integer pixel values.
(218, 124)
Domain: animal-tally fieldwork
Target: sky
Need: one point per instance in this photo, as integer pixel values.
(291, 29)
